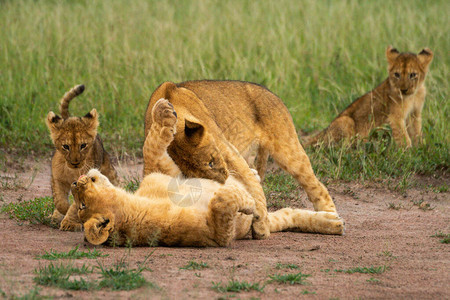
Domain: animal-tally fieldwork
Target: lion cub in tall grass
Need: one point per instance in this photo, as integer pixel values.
(78, 149)
(218, 214)
(398, 101)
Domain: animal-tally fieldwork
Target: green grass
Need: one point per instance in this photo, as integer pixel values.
(365, 270)
(193, 265)
(237, 286)
(121, 277)
(117, 277)
(280, 187)
(72, 254)
(293, 278)
(132, 184)
(286, 266)
(59, 276)
(445, 237)
(317, 56)
(36, 211)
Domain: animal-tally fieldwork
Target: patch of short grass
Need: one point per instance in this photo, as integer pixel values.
(364, 270)
(237, 286)
(293, 278)
(72, 254)
(364, 161)
(286, 266)
(280, 187)
(35, 211)
(60, 276)
(121, 277)
(193, 265)
(445, 237)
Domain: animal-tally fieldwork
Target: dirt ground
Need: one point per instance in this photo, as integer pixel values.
(383, 228)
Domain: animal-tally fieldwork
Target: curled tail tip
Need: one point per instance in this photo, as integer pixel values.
(79, 89)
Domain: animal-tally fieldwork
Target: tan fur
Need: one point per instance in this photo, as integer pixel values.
(398, 101)
(221, 213)
(218, 122)
(78, 149)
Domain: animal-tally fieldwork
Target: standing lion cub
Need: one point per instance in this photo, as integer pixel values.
(78, 149)
(398, 101)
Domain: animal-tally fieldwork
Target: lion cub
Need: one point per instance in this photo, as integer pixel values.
(78, 149)
(398, 101)
(218, 214)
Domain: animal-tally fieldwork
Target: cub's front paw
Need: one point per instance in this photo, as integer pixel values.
(164, 114)
(67, 225)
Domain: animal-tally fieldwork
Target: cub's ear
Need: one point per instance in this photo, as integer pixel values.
(98, 228)
(425, 57)
(53, 121)
(391, 54)
(193, 131)
(91, 119)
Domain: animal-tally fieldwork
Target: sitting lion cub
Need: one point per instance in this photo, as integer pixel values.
(398, 101)
(78, 149)
(219, 214)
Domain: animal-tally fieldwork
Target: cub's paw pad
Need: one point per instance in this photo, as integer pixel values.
(164, 114)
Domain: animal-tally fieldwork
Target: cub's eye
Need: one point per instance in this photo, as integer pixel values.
(82, 146)
(82, 206)
(66, 147)
(93, 179)
(397, 75)
(412, 75)
(211, 164)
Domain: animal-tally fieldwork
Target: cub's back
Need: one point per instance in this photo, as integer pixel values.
(232, 101)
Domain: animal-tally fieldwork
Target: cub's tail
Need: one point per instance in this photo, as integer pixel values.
(75, 91)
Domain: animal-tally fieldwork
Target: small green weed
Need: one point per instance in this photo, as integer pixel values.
(59, 276)
(286, 266)
(120, 277)
(445, 236)
(295, 278)
(71, 254)
(365, 270)
(394, 206)
(36, 211)
(132, 184)
(423, 205)
(306, 292)
(237, 286)
(373, 280)
(193, 265)
(441, 189)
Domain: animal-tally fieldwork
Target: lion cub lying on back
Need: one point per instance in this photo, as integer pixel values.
(78, 149)
(398, 101)
(221, 213)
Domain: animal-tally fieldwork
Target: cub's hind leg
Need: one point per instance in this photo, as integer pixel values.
(286, 150)
(223, 212)
(159, 137)
(306, 221)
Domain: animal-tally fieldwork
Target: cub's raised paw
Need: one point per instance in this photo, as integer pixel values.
(67, 225)
(164, 114)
